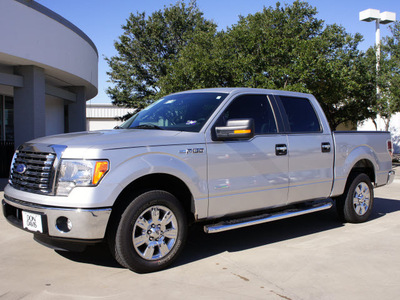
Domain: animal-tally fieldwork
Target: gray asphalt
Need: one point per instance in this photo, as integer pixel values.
(307, 257)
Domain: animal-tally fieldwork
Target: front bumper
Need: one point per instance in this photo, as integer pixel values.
(86, 224)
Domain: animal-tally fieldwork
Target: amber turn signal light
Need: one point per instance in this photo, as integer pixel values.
(100, 170)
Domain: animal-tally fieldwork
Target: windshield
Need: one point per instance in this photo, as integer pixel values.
(180, 112)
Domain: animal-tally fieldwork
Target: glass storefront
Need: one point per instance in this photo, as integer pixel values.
(6, 119)
(6, 134)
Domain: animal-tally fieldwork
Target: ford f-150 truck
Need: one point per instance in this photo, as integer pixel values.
(228, 158)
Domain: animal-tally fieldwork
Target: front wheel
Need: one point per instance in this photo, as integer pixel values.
(355, 205)
(151, 233)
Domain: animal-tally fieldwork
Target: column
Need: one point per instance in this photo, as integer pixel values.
(77, 111)
(29, 105)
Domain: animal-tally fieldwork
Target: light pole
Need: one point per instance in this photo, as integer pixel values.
(385, 17)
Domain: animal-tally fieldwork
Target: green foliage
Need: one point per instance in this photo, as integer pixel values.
(282, 47)
(147, 48)
(341, 77)
(264, 50)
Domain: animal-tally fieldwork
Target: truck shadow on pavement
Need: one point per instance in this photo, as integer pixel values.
(201, 245)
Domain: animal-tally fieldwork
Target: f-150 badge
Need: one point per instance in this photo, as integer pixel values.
(194, 150)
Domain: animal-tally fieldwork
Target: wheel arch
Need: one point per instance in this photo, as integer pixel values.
(363, 166)
(345, 174)
(157, 181)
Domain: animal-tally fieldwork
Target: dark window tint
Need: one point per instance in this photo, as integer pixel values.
(256, 107)
(301, 115)
(6, 119)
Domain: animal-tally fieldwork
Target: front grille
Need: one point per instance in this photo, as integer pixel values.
(33, 171)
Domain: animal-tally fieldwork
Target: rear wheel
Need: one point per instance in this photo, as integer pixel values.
(151, 233)
(355, 205)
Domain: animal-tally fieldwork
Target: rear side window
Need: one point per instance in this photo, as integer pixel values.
(301, 115)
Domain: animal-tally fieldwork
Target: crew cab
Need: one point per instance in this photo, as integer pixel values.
(227, 157)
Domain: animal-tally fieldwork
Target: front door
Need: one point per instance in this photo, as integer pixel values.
(245, 175)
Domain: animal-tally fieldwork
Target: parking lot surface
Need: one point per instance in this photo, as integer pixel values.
(308, 257)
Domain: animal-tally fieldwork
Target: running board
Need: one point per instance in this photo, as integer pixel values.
(264, 218)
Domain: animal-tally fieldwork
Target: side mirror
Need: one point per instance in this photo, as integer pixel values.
(236, 129)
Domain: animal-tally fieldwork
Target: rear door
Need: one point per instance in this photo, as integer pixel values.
(245, 175)
(310, 150)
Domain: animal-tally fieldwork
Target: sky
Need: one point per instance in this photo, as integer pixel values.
(101, 20)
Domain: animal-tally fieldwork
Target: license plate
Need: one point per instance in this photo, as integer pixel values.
(32, 222)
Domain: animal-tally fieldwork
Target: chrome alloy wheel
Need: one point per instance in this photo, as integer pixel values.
(155, 232)
(361, 198)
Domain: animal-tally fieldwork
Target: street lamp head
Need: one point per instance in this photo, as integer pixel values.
(387, 17)
(369, 15)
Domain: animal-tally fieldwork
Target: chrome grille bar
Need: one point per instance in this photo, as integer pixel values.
(33, 168)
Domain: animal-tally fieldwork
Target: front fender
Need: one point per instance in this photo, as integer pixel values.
(188, 167)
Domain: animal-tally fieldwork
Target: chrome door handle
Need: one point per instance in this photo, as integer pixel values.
(326, 147)
(280, 149)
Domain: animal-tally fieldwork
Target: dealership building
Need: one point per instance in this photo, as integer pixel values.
(48, 70)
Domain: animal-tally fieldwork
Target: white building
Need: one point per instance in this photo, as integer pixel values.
(104, 116)
(394, 129)
(48, 70)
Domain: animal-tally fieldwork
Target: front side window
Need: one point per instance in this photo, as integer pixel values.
(301, 115)
(256, 107)
(180, 112)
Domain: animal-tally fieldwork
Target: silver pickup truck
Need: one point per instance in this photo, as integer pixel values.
(228, 158)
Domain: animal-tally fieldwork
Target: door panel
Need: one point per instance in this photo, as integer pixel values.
(309, 151)
(247, 175)
(310, 167)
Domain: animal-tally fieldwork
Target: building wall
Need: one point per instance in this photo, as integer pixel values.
(48, 66)
(101, 124)
(29, 36)
(394, 129)
(104, 116)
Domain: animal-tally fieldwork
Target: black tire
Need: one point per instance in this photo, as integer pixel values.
(355, 205)
(151, 233)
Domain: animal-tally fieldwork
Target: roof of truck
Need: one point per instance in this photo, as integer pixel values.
(236, 90)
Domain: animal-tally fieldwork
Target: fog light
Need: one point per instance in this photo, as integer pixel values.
(64, 224)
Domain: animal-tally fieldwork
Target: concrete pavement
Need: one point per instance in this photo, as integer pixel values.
(308, 257)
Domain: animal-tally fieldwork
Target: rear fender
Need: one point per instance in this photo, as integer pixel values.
(346, 160)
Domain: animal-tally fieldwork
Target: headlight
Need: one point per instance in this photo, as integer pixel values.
(74, 173)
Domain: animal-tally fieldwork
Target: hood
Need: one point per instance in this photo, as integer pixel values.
(121, 138)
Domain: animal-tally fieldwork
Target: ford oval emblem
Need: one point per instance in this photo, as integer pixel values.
(21, 169)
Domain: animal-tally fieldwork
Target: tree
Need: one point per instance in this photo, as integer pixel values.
(341, 77)
(281, 48)
(146, 49)
(262, 50)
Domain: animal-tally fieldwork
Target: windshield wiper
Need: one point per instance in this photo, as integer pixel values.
(147, 126)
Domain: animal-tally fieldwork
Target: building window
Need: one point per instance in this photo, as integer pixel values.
(6, 119)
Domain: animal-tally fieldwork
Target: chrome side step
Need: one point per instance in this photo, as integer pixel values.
(264, 218)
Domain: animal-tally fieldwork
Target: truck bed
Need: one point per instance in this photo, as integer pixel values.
(362, 146)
